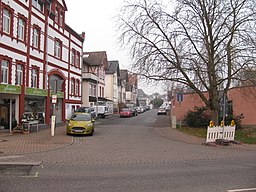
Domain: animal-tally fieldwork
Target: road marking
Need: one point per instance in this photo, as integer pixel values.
(238, 190)
(32, 176)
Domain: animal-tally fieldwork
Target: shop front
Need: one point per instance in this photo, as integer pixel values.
(9, 106)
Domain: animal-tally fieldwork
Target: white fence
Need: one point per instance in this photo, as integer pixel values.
(213, 133)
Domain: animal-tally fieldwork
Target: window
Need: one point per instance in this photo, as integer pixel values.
(73, 55)
(77, 88)
(36, 37)
(56, 16)
(19, 74)
(92, 91)
(38, 4)
(21, 29)
(102, 91)
(57, 50)
(77, 59)
(34, 77)
(5, 71)
(72, 86)
(7, 21)
(61, 18)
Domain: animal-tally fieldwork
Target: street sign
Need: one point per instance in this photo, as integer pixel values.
(179, 97)
(54, 99)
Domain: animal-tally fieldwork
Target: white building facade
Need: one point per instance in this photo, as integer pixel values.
(40, 56)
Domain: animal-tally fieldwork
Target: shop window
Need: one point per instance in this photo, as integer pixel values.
(5, 65)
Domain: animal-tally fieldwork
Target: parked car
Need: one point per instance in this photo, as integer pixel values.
(87, 110)
(161, 111)
(134, 111)
(101, 111)
(126, 112)
(80, 123)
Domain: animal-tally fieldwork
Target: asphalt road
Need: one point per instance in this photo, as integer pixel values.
(126, 155)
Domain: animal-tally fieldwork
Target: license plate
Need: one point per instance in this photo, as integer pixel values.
(78, 131)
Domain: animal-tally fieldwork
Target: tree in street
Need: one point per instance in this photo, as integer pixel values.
(202, 44)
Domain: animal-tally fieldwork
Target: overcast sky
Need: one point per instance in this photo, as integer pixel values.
(96, 19)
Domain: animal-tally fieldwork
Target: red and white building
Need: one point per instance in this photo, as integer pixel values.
(38, 53)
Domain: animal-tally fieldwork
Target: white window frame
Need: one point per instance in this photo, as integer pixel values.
(36, 37)
(5, 71)
(19, 74)
(21, 29)
(38, 4)
(92, 91)
(57, 49)
(7, 21)
(34, 78)
(73, 57)
(72, 86)
(76, 87)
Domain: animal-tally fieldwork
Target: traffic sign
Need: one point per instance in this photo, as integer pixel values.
(179, 97)
(54, 99)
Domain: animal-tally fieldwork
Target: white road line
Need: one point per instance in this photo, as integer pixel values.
(239, 190)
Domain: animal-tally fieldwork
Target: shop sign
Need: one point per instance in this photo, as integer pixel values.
(36, 91)
(7, 88)
(59, 94)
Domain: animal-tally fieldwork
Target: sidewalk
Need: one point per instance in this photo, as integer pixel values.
(163, 128)
(12, 144)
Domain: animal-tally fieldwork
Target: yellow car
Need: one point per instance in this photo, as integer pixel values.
(80, 123)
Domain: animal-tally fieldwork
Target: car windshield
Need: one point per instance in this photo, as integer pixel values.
(125, 109)
(81, 117)
(82, 109)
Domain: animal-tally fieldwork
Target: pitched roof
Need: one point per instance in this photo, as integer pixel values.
(113, 67)
(124, 74)
(95, 58)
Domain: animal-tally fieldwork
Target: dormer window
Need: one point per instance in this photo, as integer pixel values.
(56, 16)
(38, 4)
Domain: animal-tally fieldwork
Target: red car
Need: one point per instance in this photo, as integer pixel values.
(126, 112)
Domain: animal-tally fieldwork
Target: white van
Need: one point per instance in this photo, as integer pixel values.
(101, 111)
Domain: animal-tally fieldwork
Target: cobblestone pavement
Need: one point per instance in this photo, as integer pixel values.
(145, 139)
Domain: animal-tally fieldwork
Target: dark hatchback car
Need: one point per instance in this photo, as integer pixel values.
(134, 111)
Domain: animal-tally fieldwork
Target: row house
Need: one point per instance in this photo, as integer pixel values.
(94, 78)
(39, 56)
(103, 83)
(113, 84)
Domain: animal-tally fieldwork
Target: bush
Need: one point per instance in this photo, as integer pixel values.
(200, 117)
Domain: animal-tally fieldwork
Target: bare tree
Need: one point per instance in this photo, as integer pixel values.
(202, 44)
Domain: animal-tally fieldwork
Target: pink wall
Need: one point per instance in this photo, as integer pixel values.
(244, 101)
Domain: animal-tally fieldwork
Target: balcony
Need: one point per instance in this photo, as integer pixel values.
(89, 76)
